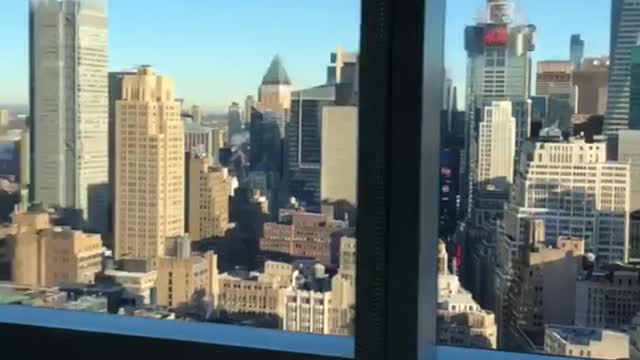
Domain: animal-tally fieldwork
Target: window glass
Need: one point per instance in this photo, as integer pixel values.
(532, 260)
(181, 160)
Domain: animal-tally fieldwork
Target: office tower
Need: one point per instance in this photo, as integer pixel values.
(217, 143)
(497, 145)
(498, 56)
(624, 36)
(554, 78)
(235, 119)
(634, 101)
(304, 144)
(629, 152)
(196, 114)
(14, 157)
(197, 137)
(302, 235)
(266, 135)
(576, 51)
(4, 120)
(590, 84)
(69, 104)
(183, 276)
(207, 197)
(339, 165)
(634, 236)
(149, 186)
(571, 186)
(275, 90)
(249, 103)
(586, 343)
(45, 255)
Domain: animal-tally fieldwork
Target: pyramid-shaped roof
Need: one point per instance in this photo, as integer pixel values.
(276, 74)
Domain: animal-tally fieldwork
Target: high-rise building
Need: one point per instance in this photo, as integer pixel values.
(14, 157)
(197, 137)
(115, 94)
(266, 135)
(624, 36)
(249, 103)
(497, 145)
(150, 167)
(235, 119)
(590, 86)
(339, 154)
(498, 54)
(196, 114)
(275, 90)
(586, 343)
(45, 255)
(634, 237)
(207, 198)
(554, 78)
(4, 120)
(634, 100)
(629, 151)
(576, 191)
(69, 107)
(576, 51)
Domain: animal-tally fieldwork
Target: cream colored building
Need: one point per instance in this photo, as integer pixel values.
(46, 255)
(338, 171)
(255, 293)
(275, 89)
(4, 120)
(185, 274)
(149, 182)
(136, 283)
(497, 144)
(209, 187)
(576, 191)
(461, 321)
(584, 342)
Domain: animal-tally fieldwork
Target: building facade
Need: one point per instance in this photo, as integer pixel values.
(208, 198)
(274, 93)
(629, 152)
(554, 78)
(576, 51)
(69, 107)
(591, 85)
(497, 145)
(149, 185)
(339, 166)
(624, 33)
(44, 255)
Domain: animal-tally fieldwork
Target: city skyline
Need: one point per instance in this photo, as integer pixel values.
(215, 90)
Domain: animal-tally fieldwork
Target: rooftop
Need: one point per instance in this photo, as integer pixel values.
(581, 335)
(276, 73)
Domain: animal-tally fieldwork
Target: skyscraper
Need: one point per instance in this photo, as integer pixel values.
(624, 36)
(69, 105)
(590, 86)
(4, 120)
(208, 197)
(275, 90)
(576, 51)
(339, 166)
(629, 151)
(149, 166)
(235, 119)
(196, 114)
(634, 100)
(497, 145)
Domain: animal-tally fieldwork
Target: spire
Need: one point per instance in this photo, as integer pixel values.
(276, 74)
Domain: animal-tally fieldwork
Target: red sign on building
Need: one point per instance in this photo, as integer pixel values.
(496, 37)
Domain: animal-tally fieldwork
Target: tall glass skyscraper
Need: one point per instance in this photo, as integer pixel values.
(69, 107)
(625, 27)
(576, 52)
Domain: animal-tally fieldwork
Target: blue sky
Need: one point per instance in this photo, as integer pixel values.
(218, 50)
